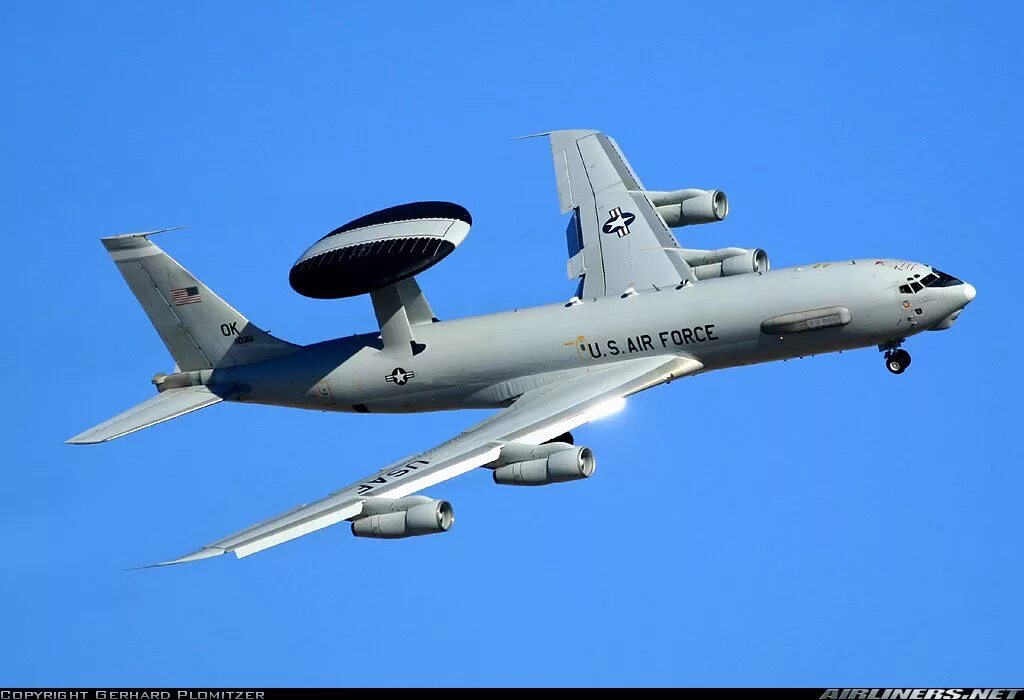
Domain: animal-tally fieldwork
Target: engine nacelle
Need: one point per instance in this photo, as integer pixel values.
(726, 262)
(394, 518)
(692, 206)
(552, 463)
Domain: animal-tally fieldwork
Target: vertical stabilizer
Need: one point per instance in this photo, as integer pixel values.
(201, 330)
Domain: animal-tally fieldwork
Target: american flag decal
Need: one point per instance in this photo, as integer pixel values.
(185, 295)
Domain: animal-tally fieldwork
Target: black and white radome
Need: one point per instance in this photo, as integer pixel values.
(379, 249)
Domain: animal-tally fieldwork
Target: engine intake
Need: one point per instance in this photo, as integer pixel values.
(395, 518)
(691, 206)
(539, 465)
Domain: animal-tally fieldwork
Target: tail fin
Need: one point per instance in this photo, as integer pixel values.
(201, 330)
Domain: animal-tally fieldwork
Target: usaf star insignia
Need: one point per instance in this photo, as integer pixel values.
(399, 376)
(618, 222)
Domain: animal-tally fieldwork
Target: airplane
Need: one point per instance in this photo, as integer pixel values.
(646, 312)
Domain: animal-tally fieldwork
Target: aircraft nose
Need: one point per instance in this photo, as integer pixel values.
(969, 292)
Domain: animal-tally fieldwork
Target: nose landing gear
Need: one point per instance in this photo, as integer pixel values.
(896, 359)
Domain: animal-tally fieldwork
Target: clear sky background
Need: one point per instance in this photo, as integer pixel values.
(804, 523)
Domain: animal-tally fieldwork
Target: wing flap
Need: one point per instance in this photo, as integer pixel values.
(282, 535)
(162, 407)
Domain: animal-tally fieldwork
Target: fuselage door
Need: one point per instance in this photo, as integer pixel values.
(324, 390)
(906, 297)
(915, 299)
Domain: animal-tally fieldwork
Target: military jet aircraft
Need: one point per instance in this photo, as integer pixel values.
(646, 312)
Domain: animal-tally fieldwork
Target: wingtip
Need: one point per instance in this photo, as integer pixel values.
(554, 133)
(199, 554)
(77, 440)
(86, 437)
(143, 234)
(532, 136)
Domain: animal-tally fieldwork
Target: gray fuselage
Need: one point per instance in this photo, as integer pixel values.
(487, 361)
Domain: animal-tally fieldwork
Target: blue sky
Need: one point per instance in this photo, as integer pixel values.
(805, 523)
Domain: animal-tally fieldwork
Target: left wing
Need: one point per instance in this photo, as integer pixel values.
(617, 239)
(537, 416)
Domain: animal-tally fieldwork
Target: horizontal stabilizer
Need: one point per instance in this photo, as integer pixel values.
(164, 406)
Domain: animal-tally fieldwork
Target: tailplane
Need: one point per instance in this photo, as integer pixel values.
(164, 406)
(201, 330)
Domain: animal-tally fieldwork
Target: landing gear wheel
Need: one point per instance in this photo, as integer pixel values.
(897, 361)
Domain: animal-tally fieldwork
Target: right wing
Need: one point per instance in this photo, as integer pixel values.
(617, 240)
(537, 416)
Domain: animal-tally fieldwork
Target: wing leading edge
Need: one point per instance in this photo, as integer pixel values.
(537, 416)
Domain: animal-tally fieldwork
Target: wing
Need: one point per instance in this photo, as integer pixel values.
(616, 237)
(537, 416)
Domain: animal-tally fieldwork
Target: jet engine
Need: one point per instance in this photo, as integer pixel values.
(691, 206)
(538, 465)
(726, 262)
(394, 518)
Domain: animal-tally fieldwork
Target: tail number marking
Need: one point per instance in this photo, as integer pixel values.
(229, 329)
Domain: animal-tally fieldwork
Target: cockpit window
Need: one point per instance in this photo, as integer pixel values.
(941, 279)
(935, 278)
